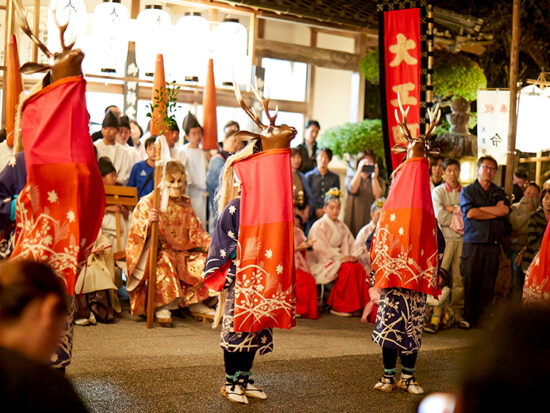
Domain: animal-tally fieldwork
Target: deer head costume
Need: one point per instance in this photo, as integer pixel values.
(272, 136)
(66, 63)
(418, 147)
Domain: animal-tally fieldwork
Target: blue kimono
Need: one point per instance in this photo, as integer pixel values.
(221, 265)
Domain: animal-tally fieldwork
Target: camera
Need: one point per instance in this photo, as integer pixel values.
(368, 169)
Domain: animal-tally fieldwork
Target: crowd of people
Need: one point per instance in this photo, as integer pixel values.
(490, 240)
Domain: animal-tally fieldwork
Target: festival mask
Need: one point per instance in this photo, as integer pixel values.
(175, 182)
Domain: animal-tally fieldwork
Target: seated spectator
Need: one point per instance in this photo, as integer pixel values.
(436, 172)
(32, 321)
(364, 186)
(520, 181)
(301, 193)
(333, 260)
(438, 310)
(306, 288)
(519, 216)
(536, 227)
(109, 147)
(366, 231)
(108, 225)
(320, 180)
(95, 289)
(142, 175)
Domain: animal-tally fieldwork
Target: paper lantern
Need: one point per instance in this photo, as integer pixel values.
(533, 129)
(152, 38)
(229, 45)
(109, 42)
(75, 10)
(188, 58)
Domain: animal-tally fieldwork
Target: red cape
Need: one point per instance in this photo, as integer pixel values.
(59, 211)
(264, 285)
(404, 246)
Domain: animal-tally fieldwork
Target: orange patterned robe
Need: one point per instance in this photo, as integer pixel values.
(181, 255)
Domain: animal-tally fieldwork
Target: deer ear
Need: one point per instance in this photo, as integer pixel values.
(398, 149)
(31, 67)
(245, 136)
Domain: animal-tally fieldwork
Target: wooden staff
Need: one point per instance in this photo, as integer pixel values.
(154, 243)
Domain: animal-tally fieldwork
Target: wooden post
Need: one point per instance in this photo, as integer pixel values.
(311, 77)
(513, 117)
(36, 29)
(154, 244)
(8, 32)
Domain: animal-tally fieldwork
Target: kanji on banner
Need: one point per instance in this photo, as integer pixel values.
(492, 123)
(404, 68)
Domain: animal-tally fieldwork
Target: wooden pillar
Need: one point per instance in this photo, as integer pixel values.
(135, 9)
(512, 123)
(36, 29)
(311, 77)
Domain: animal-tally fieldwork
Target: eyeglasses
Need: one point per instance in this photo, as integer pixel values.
(488, 167)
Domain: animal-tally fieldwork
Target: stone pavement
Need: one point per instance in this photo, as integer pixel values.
(321, 365)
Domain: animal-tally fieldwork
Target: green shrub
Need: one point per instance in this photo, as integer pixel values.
(353, 138)
(368, 66)
(457, 75)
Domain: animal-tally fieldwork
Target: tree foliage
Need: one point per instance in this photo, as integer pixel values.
(353, 138)
(369, 65)
(457, 75)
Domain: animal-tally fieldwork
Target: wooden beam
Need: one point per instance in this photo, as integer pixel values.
(316, 56)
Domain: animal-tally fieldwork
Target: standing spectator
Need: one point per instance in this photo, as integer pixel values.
(484, 208)
(363, 186)
(309, 147)
(446, 200)
(113, 150)
(436, 172)
(196, 166)
(136, 133)
(123, 137)
(320, 180)
(519, 219)
(520, 181)
(172, 135)
(142, 175)
(230, 145)
(536, 227)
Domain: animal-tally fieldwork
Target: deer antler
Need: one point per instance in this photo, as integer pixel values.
(27, 30)
(265, 104)
(434, 115)
(403, 123)
(248, 111)
(62, 30)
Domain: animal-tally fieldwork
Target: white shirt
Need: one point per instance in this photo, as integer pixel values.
(5, 154)
(120, 158)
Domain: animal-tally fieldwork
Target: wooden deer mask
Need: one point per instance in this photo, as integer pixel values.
(272, 136)
(62, 64)
(418, 147)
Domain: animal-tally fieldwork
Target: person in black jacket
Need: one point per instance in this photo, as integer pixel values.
(308, 148)
(32, 321)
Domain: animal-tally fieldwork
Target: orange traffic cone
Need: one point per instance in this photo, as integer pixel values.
(14, 87)
(210, 126)
(159, 83)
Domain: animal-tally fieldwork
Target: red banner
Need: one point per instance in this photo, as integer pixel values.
(401, 42)
(264, 285)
